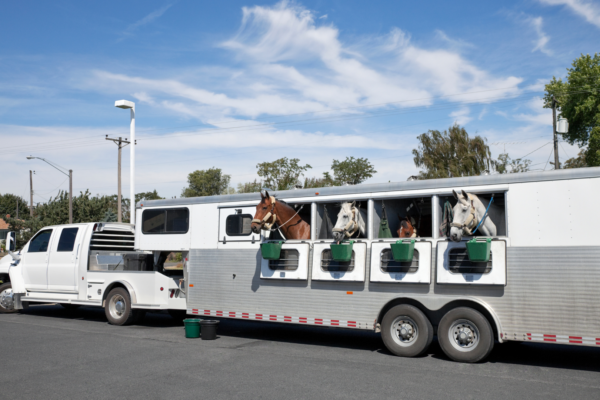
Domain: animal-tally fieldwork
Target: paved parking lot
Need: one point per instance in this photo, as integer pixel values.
(51, 353)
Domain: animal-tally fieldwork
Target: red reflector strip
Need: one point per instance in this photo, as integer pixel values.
(272, 317)
(318, 321)
(206, 312)
(335, 322)
(232, 314)
(287, 319)
(219, 313)
(303, 320)
(258, 316)
(245, 315)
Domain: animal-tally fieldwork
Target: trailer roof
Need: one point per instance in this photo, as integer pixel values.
(497, 179)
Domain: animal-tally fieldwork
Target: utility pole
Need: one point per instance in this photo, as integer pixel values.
(120, 143)
(556, 162)
(31, 193)
(70, 196)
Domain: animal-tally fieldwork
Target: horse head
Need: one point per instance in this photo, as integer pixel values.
(407, 229)
(465, 219)
(347, 222)
(265, 213)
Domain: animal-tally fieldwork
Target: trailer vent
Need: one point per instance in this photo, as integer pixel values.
(459, 263)
(388, 264)
(330, 265)
(288, 261)
(112, 240)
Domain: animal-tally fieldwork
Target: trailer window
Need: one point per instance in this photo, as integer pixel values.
(388, 264)
(164, 221)
(288, 261)
(459, 262)
(39, 244)
(330, 265)
(67, 239)
(238, 225)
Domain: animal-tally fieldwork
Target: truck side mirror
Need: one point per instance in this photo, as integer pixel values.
(11, 241)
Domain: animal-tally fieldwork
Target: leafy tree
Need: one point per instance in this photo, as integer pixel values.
(579, 100)
(8, 205)
(147, 196)
(281, 174)
(351, 170)
(576, 162)
(249, 187)
(452, 153)
(507, 165)
(208, 182)
(110, 216)
(315, 182)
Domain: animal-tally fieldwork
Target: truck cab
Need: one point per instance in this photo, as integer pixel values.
(92, 264)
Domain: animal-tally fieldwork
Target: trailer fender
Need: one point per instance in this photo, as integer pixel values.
(123, 284)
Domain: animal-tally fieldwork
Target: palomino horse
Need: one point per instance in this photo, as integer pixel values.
(407, 229)
(350, 220)
(468, 212)
(270, 212)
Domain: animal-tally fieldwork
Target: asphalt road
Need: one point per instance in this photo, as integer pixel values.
(51, 353)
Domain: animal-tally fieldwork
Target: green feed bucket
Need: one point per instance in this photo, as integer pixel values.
(271, 251)
(192, 328)
(342, 252)
(403, 250)
(479, 249)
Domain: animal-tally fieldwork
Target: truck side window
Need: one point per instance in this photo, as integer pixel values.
(39, 244)
(67, 239)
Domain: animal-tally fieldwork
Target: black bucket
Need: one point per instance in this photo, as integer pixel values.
(209, 329)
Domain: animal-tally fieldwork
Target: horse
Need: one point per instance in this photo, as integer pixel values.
(468, 212)
(276, 214)
(350, 220)
(407, 229)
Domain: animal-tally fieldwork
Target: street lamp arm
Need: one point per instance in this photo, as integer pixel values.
(56, 166)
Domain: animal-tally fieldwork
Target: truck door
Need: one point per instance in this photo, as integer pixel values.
(64, 258)
(35, 261)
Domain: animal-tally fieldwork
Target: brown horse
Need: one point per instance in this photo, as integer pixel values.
(272, 214)
(407, 230)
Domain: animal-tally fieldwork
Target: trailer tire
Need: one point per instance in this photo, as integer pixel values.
(465, 335)
(118, 307)
(6, 289)
(406, 331)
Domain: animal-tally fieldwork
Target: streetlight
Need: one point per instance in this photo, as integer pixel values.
(70, 175)
(131, 105)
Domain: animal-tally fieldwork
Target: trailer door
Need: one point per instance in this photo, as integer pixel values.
(35, 260)
(64, 257)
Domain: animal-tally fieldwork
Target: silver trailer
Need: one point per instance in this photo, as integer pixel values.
(541, 284)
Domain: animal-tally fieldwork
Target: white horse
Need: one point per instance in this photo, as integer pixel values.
(350, 220)
(468, 212)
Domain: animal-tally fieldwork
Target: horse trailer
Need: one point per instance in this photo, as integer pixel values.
(539, 282)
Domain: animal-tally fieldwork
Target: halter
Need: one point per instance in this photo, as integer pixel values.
(470, 223)
(270, 218)
(351, 227)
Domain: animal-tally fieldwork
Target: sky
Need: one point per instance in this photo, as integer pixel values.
(232, 84)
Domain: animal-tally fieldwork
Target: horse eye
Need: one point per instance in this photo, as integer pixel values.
(264, 208)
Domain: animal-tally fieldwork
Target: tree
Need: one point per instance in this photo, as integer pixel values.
(281, 174)
(147, 196)
(576, 162)
(109, 216)
(315, 182)
(351, 170)
(579, 100)
(249, 187)
(507, 165)
(8, 205)
(452, 154)
(208, 182)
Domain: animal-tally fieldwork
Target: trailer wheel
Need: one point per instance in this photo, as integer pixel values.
(465, 335)
(6, 299)
(118, 307)
(406, 331)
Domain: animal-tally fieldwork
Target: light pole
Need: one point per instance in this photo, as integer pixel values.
(131, 105)
(70, 175)
(119, 142)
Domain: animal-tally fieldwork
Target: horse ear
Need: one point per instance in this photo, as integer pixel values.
(465, 194)
(404, 224)
(267, 195)
(262, 194)
(455, 194)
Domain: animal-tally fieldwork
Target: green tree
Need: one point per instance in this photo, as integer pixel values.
(249, 187)
(9, 203)
(579, 101)
(315, 182)
(452, 153)
(281, 174)
(351, 170)
(209, 182)
(576, 162)
(109, 216)
(507, 165)
(147, 196)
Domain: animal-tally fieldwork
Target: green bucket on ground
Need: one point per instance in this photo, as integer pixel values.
(403, 250)
(342, 252)
(479, 249)
(192, 328)
(271, 250)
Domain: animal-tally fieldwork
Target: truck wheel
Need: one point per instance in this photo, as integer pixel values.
(6, 299)
(118, 307)
(465, 335)
(406, 331)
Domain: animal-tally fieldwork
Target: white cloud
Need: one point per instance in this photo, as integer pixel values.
(542, 38)
(147, 19)
(585, 9)
(461, 116)
(323, 16)
(540, 116)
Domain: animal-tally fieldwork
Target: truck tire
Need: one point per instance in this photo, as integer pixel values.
(465, 335)
(118, 307)
(6, 299)
(406, 331)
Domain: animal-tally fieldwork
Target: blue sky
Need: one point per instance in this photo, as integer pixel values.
(231, 84)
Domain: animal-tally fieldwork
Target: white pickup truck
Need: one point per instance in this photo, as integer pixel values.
(91, 264)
